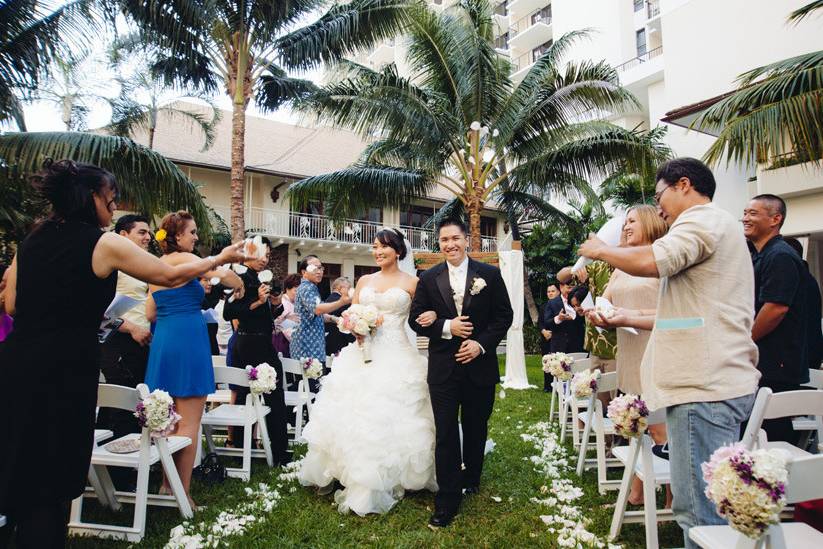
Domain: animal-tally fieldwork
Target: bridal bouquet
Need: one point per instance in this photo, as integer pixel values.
(157, 413)
(748, 487)
(559, 365)
(262, 378)
(584, 384)
(312, 367)
(629, 414)
(361, 320)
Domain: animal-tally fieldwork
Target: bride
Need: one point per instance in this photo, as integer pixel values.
(371, 427)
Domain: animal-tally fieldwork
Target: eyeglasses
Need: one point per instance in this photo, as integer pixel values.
(659, 195)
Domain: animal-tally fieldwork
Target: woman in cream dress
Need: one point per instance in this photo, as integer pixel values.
(635, 300)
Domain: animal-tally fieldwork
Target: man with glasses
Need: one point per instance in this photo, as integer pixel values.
(309, 338)
(700, 363)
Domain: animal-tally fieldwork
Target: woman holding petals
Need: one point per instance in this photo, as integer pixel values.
(180, 355)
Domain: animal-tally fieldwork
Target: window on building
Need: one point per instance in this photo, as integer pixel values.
(544, 15)
(502, 41)
(638, 5)
(540, 50)
(488, 226)
(640, 38)
(416, 216)
(360, 270)
(316, 207)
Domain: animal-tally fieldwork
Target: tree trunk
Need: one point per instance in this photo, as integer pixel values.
(238, 160)
(531, 305)
(151, 137)
(475, 207)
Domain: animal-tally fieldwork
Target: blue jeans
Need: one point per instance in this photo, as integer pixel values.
(695, 431)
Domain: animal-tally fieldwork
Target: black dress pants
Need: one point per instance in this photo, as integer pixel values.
(253, 350)
(43, 526)
(473, 404)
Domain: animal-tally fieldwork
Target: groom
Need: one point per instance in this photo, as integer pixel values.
(473, 314)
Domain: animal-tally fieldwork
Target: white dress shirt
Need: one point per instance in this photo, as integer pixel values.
(457, 280)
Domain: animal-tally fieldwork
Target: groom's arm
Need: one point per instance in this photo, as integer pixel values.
(500, 316)
(420, 304)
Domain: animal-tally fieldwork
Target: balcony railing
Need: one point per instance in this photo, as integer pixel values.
(300, 226)
(539, 16)
(653, 8)
(640, 59)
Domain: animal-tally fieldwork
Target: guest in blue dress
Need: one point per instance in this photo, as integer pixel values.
(180, 356)
(309, 338)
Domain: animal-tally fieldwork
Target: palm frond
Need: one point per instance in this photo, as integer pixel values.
(801, 13)
(276, 88)
(349, 192)
(147, 181)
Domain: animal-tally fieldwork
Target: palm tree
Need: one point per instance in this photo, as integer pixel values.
(32, 34)
(459, 122)
(628, 188)
(235, 44)
(71, 90)
(148, 182)
(777, 110)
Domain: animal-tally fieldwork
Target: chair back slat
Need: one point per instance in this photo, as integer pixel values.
(607, 383)
(578, 356)
(805, 479)
(235, 376)
(218, 360)
(117, 396)
(292, 366)
(815, 378)
(794, 403)
(581, 365)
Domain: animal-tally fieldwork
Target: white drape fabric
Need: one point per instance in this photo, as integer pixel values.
(511, 267)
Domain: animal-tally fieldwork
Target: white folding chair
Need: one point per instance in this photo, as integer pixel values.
(151, 451)
(571, 404)
(558, 388)
(301, 398)
(593, 420)
(638, 459)
(806, 424)
(218, 360)
(805, 482)
(252, 413)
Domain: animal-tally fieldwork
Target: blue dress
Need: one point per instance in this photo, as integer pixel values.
(180, 353)
(309, 338)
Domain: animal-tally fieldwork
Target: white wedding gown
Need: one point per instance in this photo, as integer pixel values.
(371, 426)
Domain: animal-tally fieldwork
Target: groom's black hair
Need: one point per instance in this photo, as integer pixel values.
(457, 222)
(394, 240)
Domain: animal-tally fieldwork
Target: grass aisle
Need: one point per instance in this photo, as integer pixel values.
(300, 518)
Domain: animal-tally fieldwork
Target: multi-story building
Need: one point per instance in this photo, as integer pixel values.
(277, 155)
(677, 57)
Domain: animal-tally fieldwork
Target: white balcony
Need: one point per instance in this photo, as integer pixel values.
(319, 231)
(501, 24)
(790, 181)
(520, 8)
(530, 35)
(642, 70)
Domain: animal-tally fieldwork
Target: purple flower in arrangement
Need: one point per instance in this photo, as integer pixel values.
(140, 413)
(253, 373)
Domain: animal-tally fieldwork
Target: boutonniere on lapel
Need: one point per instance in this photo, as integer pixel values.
(477, 285)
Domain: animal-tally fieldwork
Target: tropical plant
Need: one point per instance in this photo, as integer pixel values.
(628, 188)
(148, 182)
(32, 34)
(776, 111)
(206, 44)
(70, 88)
(459, 123)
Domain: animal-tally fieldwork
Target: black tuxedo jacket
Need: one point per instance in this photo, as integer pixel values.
(559, 342)
(489, 311)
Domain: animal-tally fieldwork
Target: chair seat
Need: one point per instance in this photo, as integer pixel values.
(804, 424)
(220, 396)
(662, 474)
(227, 415)
(102, 434)
(101, 456)
(798, 535)
(608, 425)
(793, 450)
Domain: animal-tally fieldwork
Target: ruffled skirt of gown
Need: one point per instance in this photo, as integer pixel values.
(372, 429)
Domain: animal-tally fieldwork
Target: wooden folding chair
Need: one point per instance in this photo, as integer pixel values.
(151, 452)
(252, 413)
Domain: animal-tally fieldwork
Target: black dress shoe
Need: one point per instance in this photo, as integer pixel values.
(440, 519)
(471, 490)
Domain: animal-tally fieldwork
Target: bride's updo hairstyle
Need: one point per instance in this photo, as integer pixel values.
(69, 188)
(394, 240)
(173, 224)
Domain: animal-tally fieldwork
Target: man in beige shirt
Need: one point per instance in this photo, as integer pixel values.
(700, 363)
(125, 355)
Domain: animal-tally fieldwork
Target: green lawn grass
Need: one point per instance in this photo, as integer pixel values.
(303, 519)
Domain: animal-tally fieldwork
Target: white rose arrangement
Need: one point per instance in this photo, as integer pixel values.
(312, 367)
(559, 365)
(584, 384)
(262, 378)
(477, 285)
(360, 320)
(157, 413)
(629, 414)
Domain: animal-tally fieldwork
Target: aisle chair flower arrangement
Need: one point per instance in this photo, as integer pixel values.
(262, 378)
(629, 414)
(157, 413)
(559, 365)
(747, 487)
